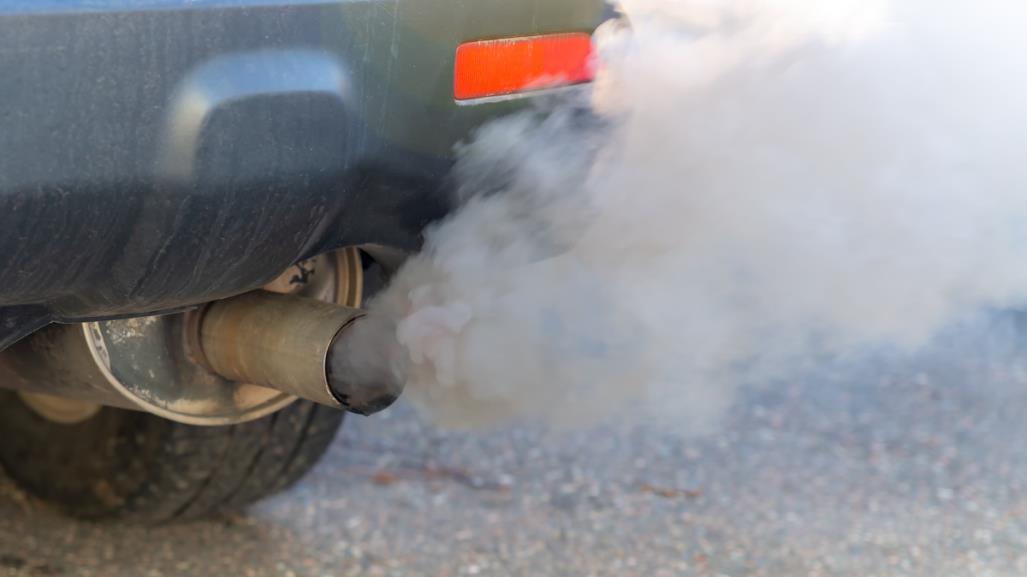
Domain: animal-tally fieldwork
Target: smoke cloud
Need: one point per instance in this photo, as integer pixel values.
(750, 185)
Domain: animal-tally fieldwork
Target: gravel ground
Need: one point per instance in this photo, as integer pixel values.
(915, 468)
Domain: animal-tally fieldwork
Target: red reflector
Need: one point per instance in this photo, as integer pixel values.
(507, 66)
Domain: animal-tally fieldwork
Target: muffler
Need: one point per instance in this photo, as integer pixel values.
(300, 346)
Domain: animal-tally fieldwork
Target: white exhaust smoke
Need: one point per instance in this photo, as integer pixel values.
(759, 183)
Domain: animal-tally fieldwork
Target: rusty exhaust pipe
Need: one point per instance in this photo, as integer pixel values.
(297, 345)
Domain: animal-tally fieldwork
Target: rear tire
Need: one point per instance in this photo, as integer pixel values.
(133, 465)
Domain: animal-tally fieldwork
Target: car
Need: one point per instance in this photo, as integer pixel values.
(193, 190)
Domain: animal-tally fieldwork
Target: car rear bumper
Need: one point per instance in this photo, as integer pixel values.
(155, 154)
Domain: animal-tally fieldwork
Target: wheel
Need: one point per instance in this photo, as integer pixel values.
(133, 465)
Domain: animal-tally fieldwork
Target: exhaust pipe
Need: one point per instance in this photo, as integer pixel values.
(230, 362)
(236, 360)
(300, 346)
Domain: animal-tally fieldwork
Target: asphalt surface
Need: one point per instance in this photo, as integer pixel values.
(884, 468)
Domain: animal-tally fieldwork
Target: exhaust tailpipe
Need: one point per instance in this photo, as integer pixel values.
(304, 347)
